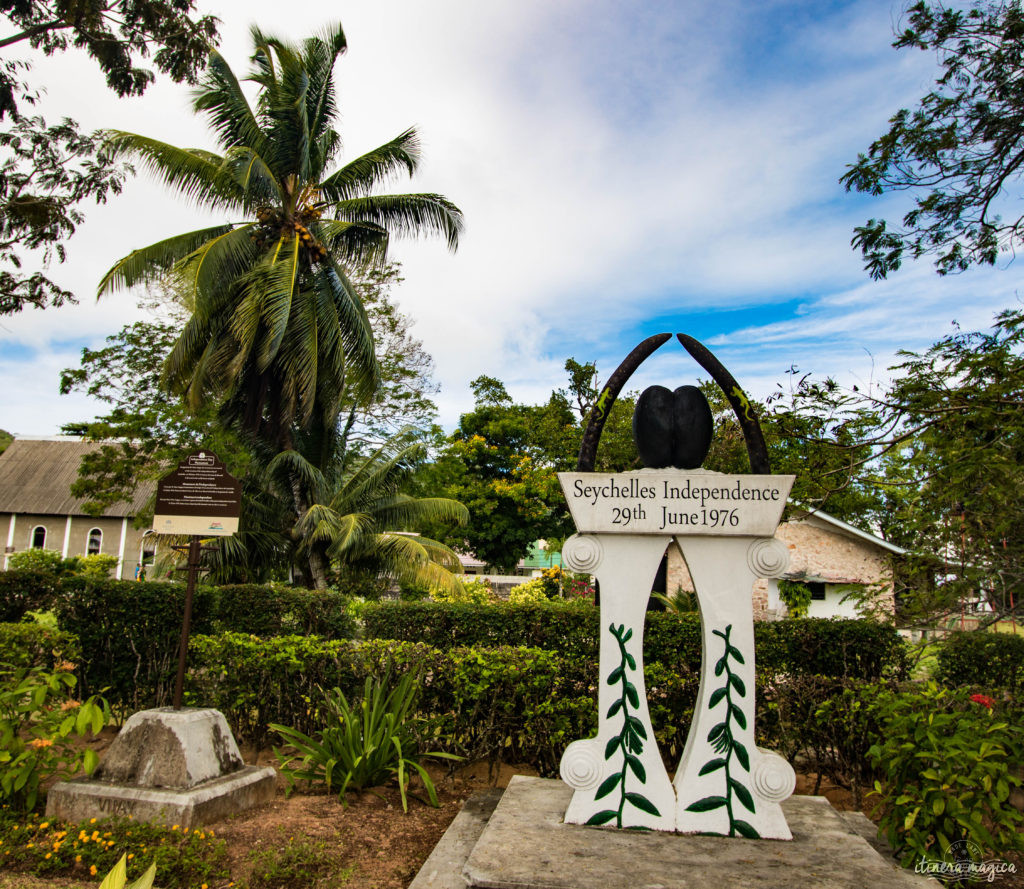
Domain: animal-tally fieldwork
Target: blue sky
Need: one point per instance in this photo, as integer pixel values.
(625, 168)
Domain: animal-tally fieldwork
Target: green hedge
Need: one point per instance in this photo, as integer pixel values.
(129, 630)
(24, 591)
(523, 705)
(982, 660)
(856, 649)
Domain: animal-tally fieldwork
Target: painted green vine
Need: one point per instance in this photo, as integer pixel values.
(629, 741)
(722, 740)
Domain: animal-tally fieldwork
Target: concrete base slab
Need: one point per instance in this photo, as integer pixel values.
(85, 798)
(525, 845)
(443, 869)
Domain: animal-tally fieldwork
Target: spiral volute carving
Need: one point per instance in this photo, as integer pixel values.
(582, 553)
(773, 778)
(768, 557)
(582, 764)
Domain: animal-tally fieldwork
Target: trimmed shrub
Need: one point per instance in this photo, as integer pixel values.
(857, 649)
(24, 591)
(129, 632)
(982, 660)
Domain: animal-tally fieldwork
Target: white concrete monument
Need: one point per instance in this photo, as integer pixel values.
(724, 526)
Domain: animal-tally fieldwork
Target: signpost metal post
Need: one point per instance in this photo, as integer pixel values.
(202, 500)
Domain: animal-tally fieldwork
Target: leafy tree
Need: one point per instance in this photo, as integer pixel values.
(944, 445)
(117, 34)
(960, 150)
(277, 332)
(278, 335)
(502, 462)
(47, 172)
(5, 439)
(146, 430)
(359, 517)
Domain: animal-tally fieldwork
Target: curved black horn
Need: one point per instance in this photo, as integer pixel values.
(756, 448)
(592, 435)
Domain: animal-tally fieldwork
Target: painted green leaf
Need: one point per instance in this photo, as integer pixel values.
(631, 694)
(742, 794)
(615, 676)
(631, 661)
(611, 747)
(737, 683)
(608, 785)
(637, 726)
(629, 634)
(716, 732)
(602, 817)
(614, 708)
(637, 767)
(642, 803)
(720, 666)
(735, 654)
(737, 714)
(745, 830)
(741, 754)
(716, 697)
(711, 766)
(720, 634)
(708, 804)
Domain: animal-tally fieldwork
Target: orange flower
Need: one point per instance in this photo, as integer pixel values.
(39, 743)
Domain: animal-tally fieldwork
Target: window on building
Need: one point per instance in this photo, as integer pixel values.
(817, 589)
(95, 545)
(39, 537)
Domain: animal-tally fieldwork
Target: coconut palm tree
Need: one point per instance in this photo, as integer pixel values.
(359, 519)
(277, 333)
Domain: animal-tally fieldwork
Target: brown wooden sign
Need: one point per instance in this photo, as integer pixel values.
(199, 497)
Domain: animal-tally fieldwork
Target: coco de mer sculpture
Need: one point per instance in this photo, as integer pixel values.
(724, 526)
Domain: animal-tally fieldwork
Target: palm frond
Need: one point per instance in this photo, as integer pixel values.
(406, 214)
(290, 466)
(222, 258)
(320, 55)
(255, 179)
(152, 262)
(362, 372)
(220, 97)
(356, 244)
(408, 559)
(404, 511)
(360, 176)
(197, 174)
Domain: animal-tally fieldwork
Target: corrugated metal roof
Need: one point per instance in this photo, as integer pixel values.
(36, 477)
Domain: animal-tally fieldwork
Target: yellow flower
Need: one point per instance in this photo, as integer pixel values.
(92, 820)
(44, 825)
(174, 827)
(48, 855)
(39, 743)
(92, 870)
